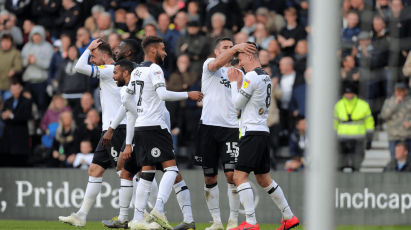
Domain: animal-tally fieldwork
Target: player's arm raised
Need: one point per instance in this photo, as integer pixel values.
(225, 57)
(82, 65)
(240, 97)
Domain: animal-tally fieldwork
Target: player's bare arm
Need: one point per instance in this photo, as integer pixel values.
(225, 57)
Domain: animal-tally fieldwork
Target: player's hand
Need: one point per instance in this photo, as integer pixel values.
(94, 44)
(195, 95)
(106, 140)
(127, 153)
(249, 49)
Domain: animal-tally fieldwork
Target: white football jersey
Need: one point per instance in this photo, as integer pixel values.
(218, 107)
(257, 88)
(145, 79)
(110, 96)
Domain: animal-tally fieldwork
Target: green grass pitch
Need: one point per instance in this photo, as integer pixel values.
(19, 224)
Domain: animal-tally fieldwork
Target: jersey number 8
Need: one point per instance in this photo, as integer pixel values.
(268, 99)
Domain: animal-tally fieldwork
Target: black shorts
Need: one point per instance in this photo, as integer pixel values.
(131, 166)
(153, 146)
(215, 142)
(106, 157)
(254, 154)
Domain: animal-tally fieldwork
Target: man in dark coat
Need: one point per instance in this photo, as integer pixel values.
(16, 113)
(69, 20)
(401, 162)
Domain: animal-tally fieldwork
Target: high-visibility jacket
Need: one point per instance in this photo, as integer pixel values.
(352, 118)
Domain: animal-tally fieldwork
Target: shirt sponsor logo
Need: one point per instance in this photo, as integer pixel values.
(139, 110)
(261, 111)
(101, 67)
(246, 83)
(225, 82)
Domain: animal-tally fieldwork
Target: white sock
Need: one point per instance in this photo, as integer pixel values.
(135, 185)
(153, 194)
(212, 197)
(183, 198)
(126, 193)
(166, 185)
(142, 194)
(277, 195)
(92, 190)
(234, 200)
(247, 199)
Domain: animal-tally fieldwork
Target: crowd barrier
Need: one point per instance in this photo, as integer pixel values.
(360, 198)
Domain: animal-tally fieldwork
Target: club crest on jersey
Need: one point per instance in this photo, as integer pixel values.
(225, 82)
(261, 111)
(266, 79)
(246, 83)
(155, 152)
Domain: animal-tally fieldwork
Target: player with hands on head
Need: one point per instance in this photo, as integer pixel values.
(218, 130)
(253, 99)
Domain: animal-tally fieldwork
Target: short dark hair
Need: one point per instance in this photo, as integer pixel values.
(254, 44)
(105, 48)
(7, 36)
(133, 45)
(125, 65)
(299, 118)
(344, 58)
(218, 40)
(403, 144)
(132, 12)
(151, 40)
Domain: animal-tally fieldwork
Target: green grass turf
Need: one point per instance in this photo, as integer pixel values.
(20, 224)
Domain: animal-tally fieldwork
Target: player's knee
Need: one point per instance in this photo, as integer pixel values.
(210, 174)
(126, 175)
(210, 180)
(179, 178)
(96, 170)
(264, 180)
(148, 175)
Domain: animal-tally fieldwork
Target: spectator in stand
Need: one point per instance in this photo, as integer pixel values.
(84, 159)
(143, 14)
(28, 25)
(57, 106)
(150, 29)
(195, 46)
(10, 64)
(46, 12)
(80, 111)
(120, 19)
(6, 26)
(71, 83)
(132, 27)
(396, 111)
(69, 18)
(181, 21)
(240, 37)
(83, 39)
(302, 6)
(218, 20)
(250, 23)
(298, 145)
(182, 79)
(273, 120)
(355, 126)
(16, 113)
(36, 55)
(264, 58)
(292, 33)
(66, 142)
(301, 55)
(90, 128)
(274, 22)
(298, 97)
(277, 6)
(21, 8)
(349, 73)
(170, 36)
(275, 57)
(61, 50)
(171, 7)
(233, 19)
(380, 31)
(91, 22)
(382, 9)
(261, 36)
(365, 12)
(345, 10)
(401, 162)
(349, 35)
(104, 26)
(192, 10)
(400, 28)
(114, 40)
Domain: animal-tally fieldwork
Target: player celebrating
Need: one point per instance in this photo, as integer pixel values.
(253, 99)
(218, 132)
(101, 57)
(153, 143)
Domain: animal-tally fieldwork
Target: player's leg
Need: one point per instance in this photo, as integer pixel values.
(246, 196)
(183, 198)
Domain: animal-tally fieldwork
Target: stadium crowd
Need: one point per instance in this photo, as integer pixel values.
(51, 114)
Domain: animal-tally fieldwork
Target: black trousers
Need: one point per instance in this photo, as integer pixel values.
(352, 153)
